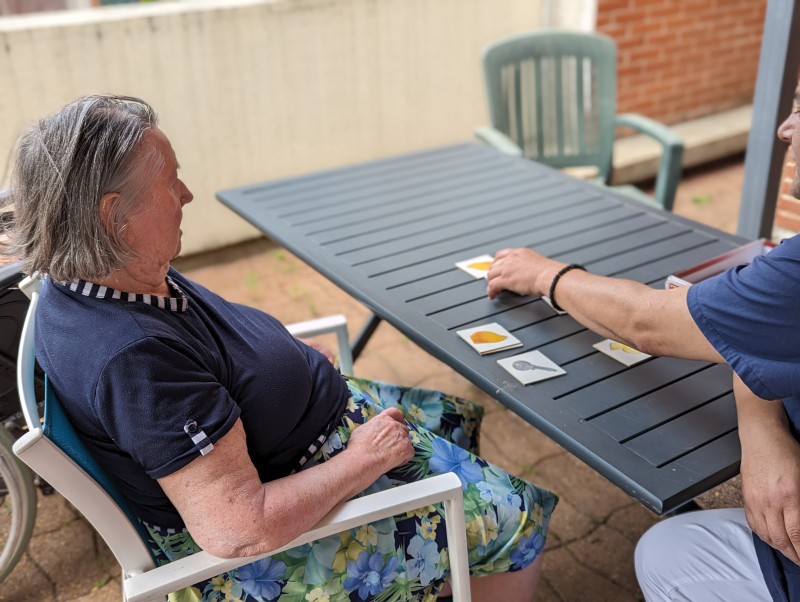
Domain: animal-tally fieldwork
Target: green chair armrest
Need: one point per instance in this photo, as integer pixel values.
(669, 169)
(497, 139)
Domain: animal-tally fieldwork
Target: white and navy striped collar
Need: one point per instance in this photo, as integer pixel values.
(178, 302)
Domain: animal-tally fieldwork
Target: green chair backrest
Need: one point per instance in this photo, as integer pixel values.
(554, 93)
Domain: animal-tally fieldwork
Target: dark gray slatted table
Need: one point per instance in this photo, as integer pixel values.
(389, 233)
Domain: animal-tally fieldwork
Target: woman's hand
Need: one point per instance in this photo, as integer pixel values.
(770, 472)
(384, 438)
(521, 271)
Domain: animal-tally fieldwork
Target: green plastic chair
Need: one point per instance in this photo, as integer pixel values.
(553, 98)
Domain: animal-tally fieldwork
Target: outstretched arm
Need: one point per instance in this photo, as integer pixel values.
(654, 321)
(770, 471)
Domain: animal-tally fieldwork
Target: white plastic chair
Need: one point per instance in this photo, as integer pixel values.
(141, 579)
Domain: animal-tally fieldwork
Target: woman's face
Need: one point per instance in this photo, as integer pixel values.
(154, 229)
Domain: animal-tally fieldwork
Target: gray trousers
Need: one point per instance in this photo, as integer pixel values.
(700, 557)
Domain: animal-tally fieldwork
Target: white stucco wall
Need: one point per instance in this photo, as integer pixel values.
(580, 15)
(250, 90)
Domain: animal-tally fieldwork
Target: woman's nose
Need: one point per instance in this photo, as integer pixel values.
(186, 195)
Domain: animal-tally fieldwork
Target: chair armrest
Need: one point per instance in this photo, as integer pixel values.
(497, 139)
(329, 324)
(155, 584)
(669, 169)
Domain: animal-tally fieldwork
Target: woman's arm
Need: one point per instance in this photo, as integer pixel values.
(230, 513)
(654, 321)
(770, 471)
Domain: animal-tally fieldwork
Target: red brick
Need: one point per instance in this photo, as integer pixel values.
(628, 17)
(660, 39)
(789, 204)
(611, 5)
(789, 221)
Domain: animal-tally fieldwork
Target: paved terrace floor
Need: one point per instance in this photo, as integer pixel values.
(589, 553)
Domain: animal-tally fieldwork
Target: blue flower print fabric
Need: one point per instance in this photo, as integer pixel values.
(403, 558)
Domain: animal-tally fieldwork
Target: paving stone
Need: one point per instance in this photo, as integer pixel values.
(545, 592)
(111, 591)
(53, 512)
(575, 481)
(576, 583)
(568, 523)
(601, 551)
(27, 583)
(69, 558)
(726, 495)
(632, 521)
(515, 438)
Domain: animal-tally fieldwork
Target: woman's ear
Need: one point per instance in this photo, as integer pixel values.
(106, 211)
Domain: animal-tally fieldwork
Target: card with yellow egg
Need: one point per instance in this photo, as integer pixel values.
(489, 338)
(624, 354)
(476, 267)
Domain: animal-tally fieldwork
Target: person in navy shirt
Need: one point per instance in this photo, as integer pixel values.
(224, 432)
(749, 318)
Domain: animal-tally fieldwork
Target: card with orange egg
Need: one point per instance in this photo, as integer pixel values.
(489, 338)
(477, 267)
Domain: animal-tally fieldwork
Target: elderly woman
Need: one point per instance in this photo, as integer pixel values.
(226, 433)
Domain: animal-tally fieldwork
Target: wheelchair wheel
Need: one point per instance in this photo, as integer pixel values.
(17, 505)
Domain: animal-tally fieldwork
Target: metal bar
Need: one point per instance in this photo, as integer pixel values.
(777, 78)
(366, 332)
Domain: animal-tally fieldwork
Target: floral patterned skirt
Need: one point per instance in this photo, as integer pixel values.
(403, 557)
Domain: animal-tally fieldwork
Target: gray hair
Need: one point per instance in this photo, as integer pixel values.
(65, 164)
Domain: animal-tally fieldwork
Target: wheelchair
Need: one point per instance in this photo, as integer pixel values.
(17, 483)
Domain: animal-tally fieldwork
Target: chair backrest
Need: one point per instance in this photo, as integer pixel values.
(13, 308)
(54, 451)
(554, 93)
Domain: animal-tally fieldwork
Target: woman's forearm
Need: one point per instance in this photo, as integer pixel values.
(230, 513)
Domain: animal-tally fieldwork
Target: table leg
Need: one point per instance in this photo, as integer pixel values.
(366, 332)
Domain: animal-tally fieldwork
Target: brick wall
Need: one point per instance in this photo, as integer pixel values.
(787, 214)
(682, 59)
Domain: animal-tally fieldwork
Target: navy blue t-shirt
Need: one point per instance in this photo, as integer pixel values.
(143, 378)
(751, 315)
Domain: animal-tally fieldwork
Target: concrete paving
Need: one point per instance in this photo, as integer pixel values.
(589, 554)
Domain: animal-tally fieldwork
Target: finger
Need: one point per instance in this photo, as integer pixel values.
(778, 537)
(501, 253)
(758, 524)
(395, 414)
(764, 535)
(792, 524)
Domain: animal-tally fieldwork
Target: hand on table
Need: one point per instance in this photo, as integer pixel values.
(522, 271)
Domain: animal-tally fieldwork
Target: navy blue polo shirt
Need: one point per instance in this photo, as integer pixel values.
(751, 315)
(150, 383)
